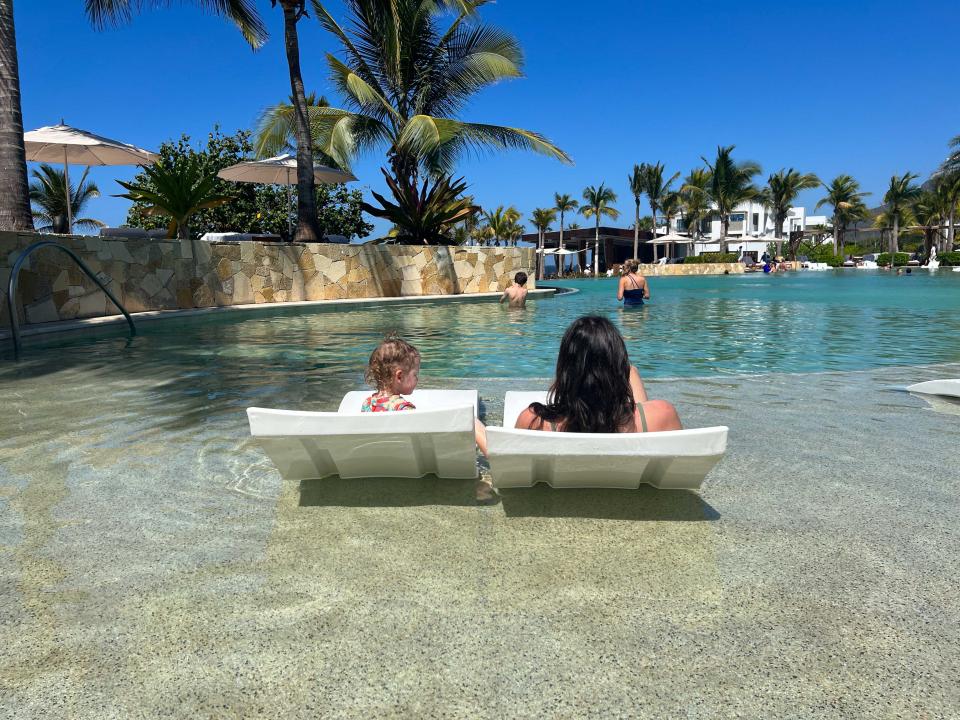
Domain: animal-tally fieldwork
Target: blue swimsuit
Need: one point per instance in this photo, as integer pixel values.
(635, 296)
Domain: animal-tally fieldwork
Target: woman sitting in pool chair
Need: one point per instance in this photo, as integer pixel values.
(596, 390)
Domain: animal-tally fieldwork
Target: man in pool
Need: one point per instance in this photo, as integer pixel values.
(516, 294)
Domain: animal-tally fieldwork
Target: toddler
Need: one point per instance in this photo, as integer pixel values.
(394, 371)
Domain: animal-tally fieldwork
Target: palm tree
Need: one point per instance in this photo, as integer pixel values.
(564, 204)
(308, 229)
(899, 196)
(542, 218)
(14, 200)
(672, 205)
(501, 222)
(952, 163)
(930, 211)
(656, 189)
(49, 195)
(176, 191)
(730, 184)
(843, 194)
(598, 202)
(948, 185)
(696, 204)
(637, 182)
(581, 249)
(405, 78)
(781, 191)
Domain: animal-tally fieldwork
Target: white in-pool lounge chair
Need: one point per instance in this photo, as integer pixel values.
(437, 438)
(948, 388)
(677, 459)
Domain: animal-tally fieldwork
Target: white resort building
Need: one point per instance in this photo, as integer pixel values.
(748, 222)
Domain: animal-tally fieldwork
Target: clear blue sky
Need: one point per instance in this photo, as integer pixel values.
(865, 87)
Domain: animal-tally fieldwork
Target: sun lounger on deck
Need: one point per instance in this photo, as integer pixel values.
(436, 438)
(949, 388)
(677, 459)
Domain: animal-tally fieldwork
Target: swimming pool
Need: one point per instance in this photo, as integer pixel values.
(152, 563)
(694, 326)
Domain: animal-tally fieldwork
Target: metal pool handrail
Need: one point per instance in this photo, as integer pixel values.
(15, 273)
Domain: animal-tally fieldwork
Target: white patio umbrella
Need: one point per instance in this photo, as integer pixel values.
(668, 239)
(64, 144)
(282, 170)
(561, 252)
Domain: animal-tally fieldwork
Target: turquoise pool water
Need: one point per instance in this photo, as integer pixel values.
(694, 326)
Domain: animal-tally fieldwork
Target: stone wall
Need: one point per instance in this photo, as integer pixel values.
(692, 269)
(167, 275)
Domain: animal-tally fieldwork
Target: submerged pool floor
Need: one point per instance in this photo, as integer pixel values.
(153, 564)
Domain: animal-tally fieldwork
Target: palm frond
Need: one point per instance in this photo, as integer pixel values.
(242, 13)
(424, 135)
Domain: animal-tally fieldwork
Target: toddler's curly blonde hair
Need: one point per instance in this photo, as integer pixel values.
(391, 354)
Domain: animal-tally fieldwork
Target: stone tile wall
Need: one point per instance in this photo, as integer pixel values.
(693, 269)
(167, 275)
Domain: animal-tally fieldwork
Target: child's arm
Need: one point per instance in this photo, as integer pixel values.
(480, 433)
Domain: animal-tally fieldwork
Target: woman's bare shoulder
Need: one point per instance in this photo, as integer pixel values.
(529, 420)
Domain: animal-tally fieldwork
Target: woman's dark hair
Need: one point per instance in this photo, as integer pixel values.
(591, 392)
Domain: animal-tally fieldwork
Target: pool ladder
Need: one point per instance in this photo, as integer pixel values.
(12, 288)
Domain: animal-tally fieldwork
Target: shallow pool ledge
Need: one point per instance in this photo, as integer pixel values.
(269, 308)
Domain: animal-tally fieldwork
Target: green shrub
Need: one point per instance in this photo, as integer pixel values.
(824, 254)
(901, 258)
(950, 259)
(713, 257)
(254, 207)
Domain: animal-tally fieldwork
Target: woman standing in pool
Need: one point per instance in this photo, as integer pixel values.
(633, 288)
(596, 390)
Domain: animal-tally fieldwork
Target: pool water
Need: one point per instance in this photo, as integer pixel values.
(153, 564)
(693, 326)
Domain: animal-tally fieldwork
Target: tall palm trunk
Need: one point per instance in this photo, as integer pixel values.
(596, 248)
(950, 231)
(559, 246)
(14, 195)
(724, 229)
(540, 244)
(636, 231)
(308, 229)
(894, 239)
(778, 233)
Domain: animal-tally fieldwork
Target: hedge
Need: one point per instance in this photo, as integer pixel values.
(949, 259)
(901, 258)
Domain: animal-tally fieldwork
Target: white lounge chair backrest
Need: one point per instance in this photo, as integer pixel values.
(436, 438)
(669, 460)
(947, 388)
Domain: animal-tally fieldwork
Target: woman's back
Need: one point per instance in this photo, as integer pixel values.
(633, 288)
(650, 416)
(592, 390)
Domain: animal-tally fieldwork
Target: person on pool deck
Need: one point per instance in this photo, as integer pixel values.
(596, 390)
(516, 294)
(633, 288)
